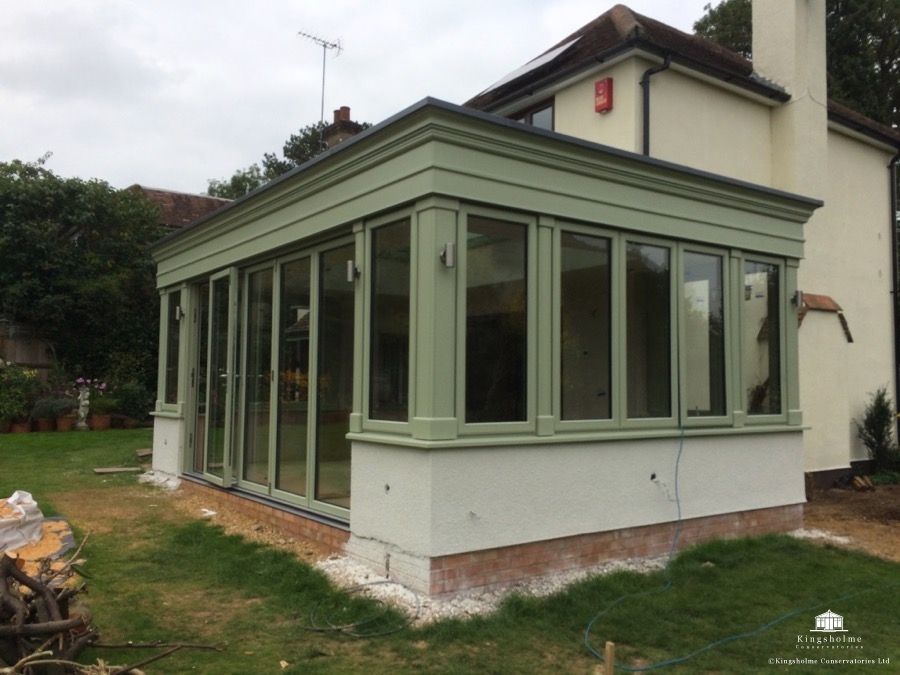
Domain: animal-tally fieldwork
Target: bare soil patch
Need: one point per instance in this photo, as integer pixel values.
(106, 510)
(871, 520)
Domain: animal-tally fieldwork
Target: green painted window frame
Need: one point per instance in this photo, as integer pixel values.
(371, 227)
(672, 420)
(239, 432)
(732, 267)
(530, 225)
(784, 303)
(313, 251)
(614, 421)
(731, 324)
(168, 321)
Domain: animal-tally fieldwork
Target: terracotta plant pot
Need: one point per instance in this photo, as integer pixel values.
(20, 427)
(44, 424)
(65, 423)
(100, 422)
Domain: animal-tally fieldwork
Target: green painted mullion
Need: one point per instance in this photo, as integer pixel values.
(274, 374)
(360, 334)
(542, 270)
(738, 402)
(790, 360)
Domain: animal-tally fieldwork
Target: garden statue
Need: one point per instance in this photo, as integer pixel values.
(84, 404)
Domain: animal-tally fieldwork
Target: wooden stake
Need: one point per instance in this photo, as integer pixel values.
(609, 657)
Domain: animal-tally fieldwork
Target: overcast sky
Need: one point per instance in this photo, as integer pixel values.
(171, 93)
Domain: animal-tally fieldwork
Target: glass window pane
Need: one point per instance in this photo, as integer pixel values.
(202, 324)
(496, 302)
(585, 330)
(258, 377)
(293, 378)
(704, 331)
(389, 368)
(218, 377)
(761, 320)
(173, 310)
(334, 386)
(543, 119)
(648, 331)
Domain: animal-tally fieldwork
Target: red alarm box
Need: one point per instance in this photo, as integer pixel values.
(603, 95)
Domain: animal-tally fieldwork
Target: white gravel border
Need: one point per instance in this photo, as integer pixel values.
(346, 573)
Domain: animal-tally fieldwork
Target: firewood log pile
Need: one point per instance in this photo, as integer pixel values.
(41, 614)
(44, 625)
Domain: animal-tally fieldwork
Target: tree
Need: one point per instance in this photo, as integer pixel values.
(730, 24)
(301, 147)
(74, 264)
(863, 50)
(244, 181)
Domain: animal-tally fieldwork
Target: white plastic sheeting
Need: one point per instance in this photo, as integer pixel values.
(24, 525)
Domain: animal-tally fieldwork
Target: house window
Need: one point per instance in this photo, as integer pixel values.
(762, 338)
(585, 292)
(496, 321)
(648, 331)
(540, 116)
(389, 346)
(704, 335)
(173, 325)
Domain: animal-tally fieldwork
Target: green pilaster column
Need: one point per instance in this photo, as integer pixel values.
(434, 288)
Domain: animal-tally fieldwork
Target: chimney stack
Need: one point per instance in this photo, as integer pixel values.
(789, 49)
(342, 128)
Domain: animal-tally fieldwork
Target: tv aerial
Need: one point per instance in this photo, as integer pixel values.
(326, 45)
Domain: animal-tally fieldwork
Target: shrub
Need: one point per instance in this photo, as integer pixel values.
(135, 400)
(44, 409)
(877, 431)
(19, 388)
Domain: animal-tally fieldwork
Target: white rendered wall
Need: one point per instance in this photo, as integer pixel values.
(847, 257)
(168, 441)
(426, 503)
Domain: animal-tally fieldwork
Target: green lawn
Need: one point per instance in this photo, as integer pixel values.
(157, 574)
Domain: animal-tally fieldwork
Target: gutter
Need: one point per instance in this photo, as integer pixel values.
(645, 95)
(745, 81)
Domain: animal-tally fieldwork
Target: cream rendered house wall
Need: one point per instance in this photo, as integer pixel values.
(692, 121)
(574, 114)
(847, 257)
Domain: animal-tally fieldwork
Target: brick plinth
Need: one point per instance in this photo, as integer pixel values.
(494, 568)
(327, 536)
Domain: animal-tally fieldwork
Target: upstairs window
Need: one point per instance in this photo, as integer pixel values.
(540, 116)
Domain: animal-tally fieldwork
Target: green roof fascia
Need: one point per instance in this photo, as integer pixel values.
(436, 148)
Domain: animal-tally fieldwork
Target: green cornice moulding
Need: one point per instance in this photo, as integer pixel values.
(438, 149)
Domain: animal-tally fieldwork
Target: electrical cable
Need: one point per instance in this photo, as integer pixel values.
(352, 629)
(668, 584)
